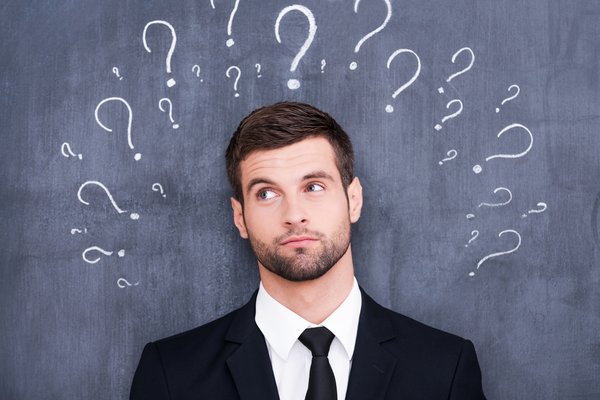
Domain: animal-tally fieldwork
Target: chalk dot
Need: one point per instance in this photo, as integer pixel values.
(121, 253)
(293, 84)
(120, 78)
(437, 127)
(389, 108)
(134, 216)
(497, 110)
(236, 95)
(175, 126)
(441, 162)
(171, 82)
(440, 90)
(79, 156)
(230, 42)
(164, 195)
(471, 273)
(477, 169)
(137, 156)
(470, 216)
(524, 216)
(353, 65)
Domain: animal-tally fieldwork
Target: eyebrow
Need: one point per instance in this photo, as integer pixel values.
(320, 174)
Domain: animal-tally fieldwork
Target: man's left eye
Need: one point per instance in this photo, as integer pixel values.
(315, 187)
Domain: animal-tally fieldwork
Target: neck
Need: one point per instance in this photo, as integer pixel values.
(313, 300)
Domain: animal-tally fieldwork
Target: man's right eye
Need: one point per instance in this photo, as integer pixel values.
(266, 194)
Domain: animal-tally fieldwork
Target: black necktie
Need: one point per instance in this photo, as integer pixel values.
(321, 381)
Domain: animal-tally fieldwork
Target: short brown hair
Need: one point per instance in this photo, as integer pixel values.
(280, 125)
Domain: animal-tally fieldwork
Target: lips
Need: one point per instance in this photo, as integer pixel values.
(299, 240)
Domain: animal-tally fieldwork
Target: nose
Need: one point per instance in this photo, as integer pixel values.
(294, 213)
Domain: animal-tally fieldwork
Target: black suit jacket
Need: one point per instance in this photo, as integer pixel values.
(395, 357)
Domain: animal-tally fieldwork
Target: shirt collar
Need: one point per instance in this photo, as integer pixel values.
(282, 327)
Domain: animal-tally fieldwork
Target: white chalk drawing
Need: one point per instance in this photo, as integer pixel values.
(160, 106)
(542, 207)
(235, 83)
(510, 196)
(474, 235)
(389, 108)
(171, 82)
(500, 253)
(133, 216)
(230, 42)
(137, 156)
(115, 71)
(438, 127)
(514, 96)
(462, 71)
(68, 152)
(123, 283)
(196, 69)
(323, 64)
(212, 4)
(388, 4)
(470, 216)
(157, 187)
(75, 231)
(477, 168)
(452, 153)
(312, 30)
(121, 253)
(257, 66)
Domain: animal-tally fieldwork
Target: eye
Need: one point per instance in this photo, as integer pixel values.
(315, 187)
(266, 194)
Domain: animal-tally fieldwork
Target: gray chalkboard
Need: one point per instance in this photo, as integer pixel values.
(436, 241)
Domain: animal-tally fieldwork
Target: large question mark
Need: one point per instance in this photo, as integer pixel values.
(462, 71)
(500, 253)
(68, 151)
(388, 4)
(514, 96)
(137, 156)
(114, 204)
(389, 108)
(543, 206)
(230, 42)
(451, 156)
(312, 30)
(121, 253)
(450, 116)
(239, 73)
(477, 168)
(171, 82)
(158, 187)
(168, 101)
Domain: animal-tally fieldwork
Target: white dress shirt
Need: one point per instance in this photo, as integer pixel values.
(290, 359)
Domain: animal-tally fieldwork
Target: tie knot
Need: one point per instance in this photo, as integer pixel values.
(317, 340)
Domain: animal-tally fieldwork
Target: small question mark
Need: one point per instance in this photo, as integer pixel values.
(257, 66)
(123, 283)
(196, 69)
(506, 100)
(476, 233)
(543, 206)
(450, 116)
(168, 101)
(312, 30)
(66, 146)
(498, 204)
(239, 73)
(470, 216)
(171, 82)
(323, 64)
(158, 187)
(451, 156)
(75, 231)
(477, 168)
(501, 253)
(121, 253)
(115, 71)
(462, 71)
(388, 4)
(137, 156)
(389, 108)
(133, 216)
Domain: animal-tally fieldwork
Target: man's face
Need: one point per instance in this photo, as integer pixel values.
(296, 211)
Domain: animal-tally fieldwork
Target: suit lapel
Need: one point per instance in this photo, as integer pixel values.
(249, 364)
(372, 364)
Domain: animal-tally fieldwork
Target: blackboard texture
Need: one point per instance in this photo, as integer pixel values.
(475, 125)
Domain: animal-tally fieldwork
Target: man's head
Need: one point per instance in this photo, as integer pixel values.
(291, 168)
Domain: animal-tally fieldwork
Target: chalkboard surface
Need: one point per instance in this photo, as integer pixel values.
(475, 125)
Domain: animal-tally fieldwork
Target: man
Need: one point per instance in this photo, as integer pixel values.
(309, 332)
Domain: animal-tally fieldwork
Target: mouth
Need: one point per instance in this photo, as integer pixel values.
(299, 241)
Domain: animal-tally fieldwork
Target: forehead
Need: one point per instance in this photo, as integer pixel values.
(293, 160)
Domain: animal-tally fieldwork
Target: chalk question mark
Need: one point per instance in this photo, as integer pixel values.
(388, 4)
(389, 108)
(68, 151)
(196, 69)
(312, 30)
(323, 64)
(257, 66)
(115, 71)
(462, 71)
(137, 156)
(75, 231)
(514, 96)
(438, 127)
(476, 233)
(239, 73)
(510, 196)
(477, 168)
(123, 283)
(500, 253)
(133, 216)
(230, 42)
(171, 82)
(160, 106)
(543, 206)
(121, 253)
(451, 156)
(156, 187)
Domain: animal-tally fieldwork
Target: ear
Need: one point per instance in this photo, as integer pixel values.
(355, 199)
(238, 217)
